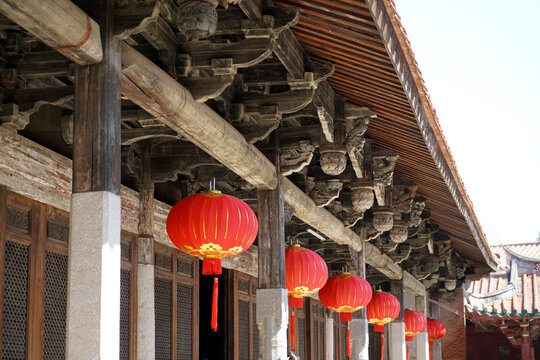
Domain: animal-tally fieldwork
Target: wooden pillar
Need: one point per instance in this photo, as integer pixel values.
(396, 329)
(422, 343)
(145, 260)
(272, 304)
(526, 346)
(93, 304)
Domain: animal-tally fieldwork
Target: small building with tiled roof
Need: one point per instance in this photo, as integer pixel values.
(506, 301)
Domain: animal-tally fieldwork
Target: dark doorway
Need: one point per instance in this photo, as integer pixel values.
(213, 345)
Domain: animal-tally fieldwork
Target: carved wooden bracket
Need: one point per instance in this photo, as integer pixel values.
(384, 162)
(294, 157)
(324, 192)
(15, 115)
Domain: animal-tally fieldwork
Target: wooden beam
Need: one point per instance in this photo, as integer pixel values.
(155, 91)
(59, 24)
(144, 83)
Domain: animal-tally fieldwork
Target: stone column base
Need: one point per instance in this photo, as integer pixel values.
(93, 304)
(358, 329)
(145, 312)
(329, 339)
(396, 342)
(272, 321)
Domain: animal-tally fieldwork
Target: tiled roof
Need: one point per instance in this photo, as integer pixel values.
(525, 301)
(529, 250)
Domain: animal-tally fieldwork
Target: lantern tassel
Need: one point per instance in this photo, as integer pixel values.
(430, 354)
(215, 304)
(345, 316)
(407, 351)
(292, 328)
(211, 266)
(349, 352)
(378, 328)
(382, 346)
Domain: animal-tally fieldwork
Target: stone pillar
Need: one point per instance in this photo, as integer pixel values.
(422, 344)
(329, 338)
(93, 303)
(359, 338)
(396, 329)
(145, 260)
(359, 327)
(272, 315)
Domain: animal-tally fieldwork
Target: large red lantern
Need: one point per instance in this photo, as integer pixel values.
(415, 323)
(305, 273)
(212, 226)
(382, 309)
(345, 294)
(435, 330)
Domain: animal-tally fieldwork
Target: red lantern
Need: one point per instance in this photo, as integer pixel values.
(382, 309)
(306, 272)
(212, 226)
(415, 323)
(435, 330)
(345, 293)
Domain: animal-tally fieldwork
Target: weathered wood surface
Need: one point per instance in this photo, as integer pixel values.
(96, 131)
(59, 24)
(144, 83)
(271, 237)
(32, 170)
(145, 241)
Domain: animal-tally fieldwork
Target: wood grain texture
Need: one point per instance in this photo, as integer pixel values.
(96, 131)
(36, 282)
(3, 209)
(271, 238)
(58, 23)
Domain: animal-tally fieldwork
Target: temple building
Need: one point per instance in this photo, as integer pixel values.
(314, 113)
(503, 306)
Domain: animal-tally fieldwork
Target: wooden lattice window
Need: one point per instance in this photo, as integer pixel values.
(245, 334)
(176, 304)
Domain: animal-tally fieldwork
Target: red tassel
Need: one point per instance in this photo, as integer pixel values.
(345, 316)
(211, 266)
(407, 351)
(292, 328)
(214, 304)
(349, 352)
(430, 355)
(296, 302)
(382, 346)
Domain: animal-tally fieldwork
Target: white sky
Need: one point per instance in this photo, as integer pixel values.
(481, 63)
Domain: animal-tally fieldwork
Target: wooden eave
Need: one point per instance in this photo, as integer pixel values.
(375, 67)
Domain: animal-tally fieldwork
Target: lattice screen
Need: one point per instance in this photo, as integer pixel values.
(15, 300)
(184, 323)
(54, 341)
(255, 332)
(163, 317)
(243, 329)
(124, 314)
(301, 347)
